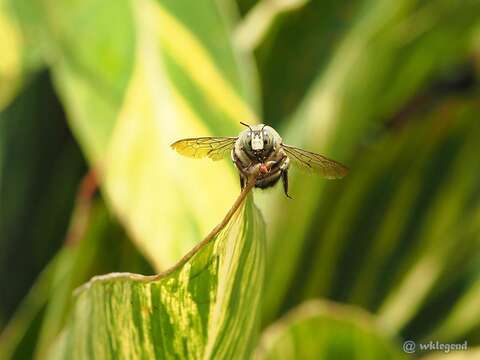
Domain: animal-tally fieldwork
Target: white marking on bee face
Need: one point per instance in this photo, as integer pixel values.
(257, 141)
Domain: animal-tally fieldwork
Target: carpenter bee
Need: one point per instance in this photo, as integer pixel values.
(260, 146)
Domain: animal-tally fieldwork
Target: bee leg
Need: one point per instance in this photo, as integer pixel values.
(285, 183)
(271, 164)
(243, 172)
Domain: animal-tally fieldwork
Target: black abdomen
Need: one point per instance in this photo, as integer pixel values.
(268, 181)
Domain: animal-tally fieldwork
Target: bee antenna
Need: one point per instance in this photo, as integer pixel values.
(241, 122)
(263, 127)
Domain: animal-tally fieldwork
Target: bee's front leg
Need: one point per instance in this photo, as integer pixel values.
(242, 169)
(270, 164)
(282, 164)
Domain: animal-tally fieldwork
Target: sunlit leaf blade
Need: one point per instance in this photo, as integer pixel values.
(196, 310)
(160, 79)
(199, 18)
(324, 330)
(95, 65)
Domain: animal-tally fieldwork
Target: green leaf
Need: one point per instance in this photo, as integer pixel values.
(464, 315)
(344, 111)
(388, 238)
(324, 330)
(446, 234)
(259, 20)
(153, 76)
(198, 309)
(314, 31)
(18, 337)
(38, 181)
(96, 244)
(92, 235)
(11, 48)
(471, 354)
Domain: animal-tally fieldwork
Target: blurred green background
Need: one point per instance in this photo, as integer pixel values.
(93, 92)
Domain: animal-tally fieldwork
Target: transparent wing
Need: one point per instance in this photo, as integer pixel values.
(213, 147)
(312, 162)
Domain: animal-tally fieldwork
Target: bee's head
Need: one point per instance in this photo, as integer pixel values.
(258, 139)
